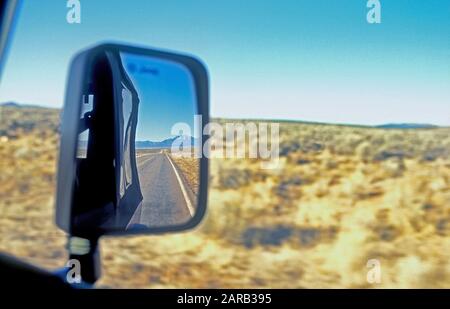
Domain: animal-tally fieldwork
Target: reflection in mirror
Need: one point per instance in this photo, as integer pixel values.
(163, 95)
(155, 186)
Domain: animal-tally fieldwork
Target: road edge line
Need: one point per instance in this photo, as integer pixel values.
(183, 189)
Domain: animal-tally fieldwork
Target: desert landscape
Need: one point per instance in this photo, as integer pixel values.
(190, 169)
(339, 197)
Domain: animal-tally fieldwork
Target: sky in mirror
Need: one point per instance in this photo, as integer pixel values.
(166, 93)
(316, 60)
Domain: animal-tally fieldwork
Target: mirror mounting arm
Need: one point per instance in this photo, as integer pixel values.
(85, 254)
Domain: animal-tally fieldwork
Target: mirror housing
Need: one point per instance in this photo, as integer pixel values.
(97, 72)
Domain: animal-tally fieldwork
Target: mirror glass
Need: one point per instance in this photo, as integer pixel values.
(153, 157)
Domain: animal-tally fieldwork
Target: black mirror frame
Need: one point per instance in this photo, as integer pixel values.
(75, 85)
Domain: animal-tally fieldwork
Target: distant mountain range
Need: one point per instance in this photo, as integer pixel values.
(12, 104)
(167, 143)
(406, 126)
(25, 106)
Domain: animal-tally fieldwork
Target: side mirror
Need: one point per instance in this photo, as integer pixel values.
(131, 143)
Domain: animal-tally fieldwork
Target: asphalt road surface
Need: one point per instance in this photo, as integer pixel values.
(166, 199)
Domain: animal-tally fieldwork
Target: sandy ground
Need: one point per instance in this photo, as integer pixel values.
(340, 196)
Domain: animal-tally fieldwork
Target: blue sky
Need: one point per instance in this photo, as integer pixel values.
(166, 95)
(311, 60)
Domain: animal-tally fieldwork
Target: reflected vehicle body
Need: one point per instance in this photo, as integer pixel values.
(129, 194)
(99, 155)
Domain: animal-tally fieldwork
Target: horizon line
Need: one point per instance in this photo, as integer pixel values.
(281, 120)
